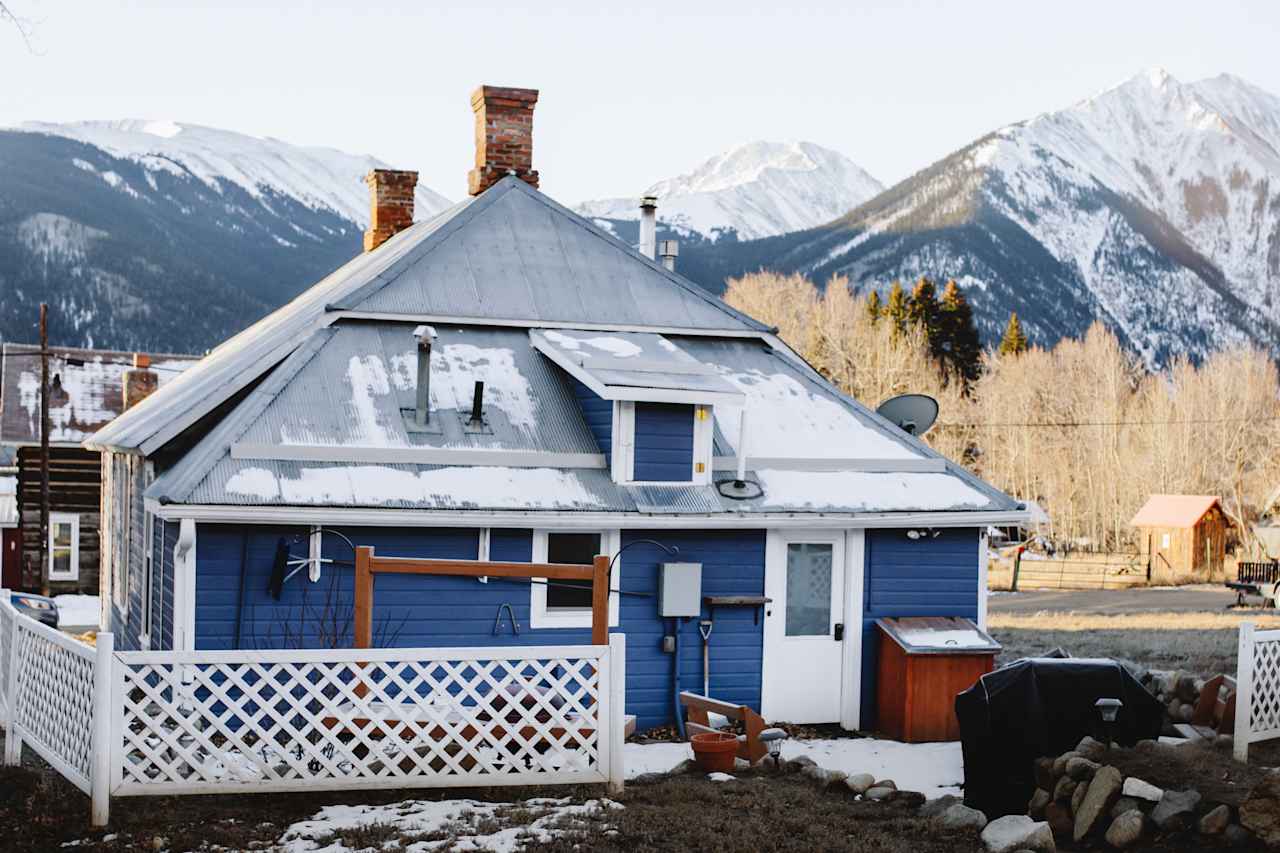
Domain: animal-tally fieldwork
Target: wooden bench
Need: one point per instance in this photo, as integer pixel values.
(699, 707)
(1215, 711)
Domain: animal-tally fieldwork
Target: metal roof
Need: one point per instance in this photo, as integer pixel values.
(87, 390)
(510, 254)
(1174, 510)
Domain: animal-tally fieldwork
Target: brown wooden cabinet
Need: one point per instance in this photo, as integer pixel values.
(924, 663)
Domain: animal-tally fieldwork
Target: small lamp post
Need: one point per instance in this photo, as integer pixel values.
(1108, 709)
(772, 739)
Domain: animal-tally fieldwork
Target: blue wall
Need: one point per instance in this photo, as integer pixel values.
(430, 611)
(913, 577)
(664, 442)
(598, 413)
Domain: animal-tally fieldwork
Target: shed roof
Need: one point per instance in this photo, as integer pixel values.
(88, 390)
(1174, 510)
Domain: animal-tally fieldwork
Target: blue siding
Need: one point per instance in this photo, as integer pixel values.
(920, 577)
(430, 611)
(598, 413)
(664, 442)
(169, 541)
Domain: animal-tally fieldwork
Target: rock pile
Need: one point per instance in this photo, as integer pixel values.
(1079, 796)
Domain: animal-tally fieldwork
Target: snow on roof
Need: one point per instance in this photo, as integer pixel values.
(87, 390)
(861, 491)
(1174, 510)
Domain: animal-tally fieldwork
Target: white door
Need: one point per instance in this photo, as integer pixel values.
(802, 670)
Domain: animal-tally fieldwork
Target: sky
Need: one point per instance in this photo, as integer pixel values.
(629, 94)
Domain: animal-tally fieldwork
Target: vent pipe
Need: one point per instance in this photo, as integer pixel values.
(425, 335)
(477, 405)
(742, 450)
(669, 250)
(648, 226)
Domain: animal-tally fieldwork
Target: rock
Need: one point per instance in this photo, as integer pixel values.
(1125, 830)
(1175, 809)
(1140, 790)
(935, 807)
(1018, 832)
(647, 779)
(800, 762)
(686, 766)
(1237, 836)
(860, 783)
(1146, 746)
(821, 775)
(1078, 795)
(1090, 748)
(1224, 742)
(879, 792)
(741, 765)
(909, 799)
(1126, 804)
(1102, 794)
(1039, 800)
(1185, 689)
(961, 816)
(1044, 773)
(1082, 769)
(886, 783)
(1260, 812)
(1058, 816)
(1064, 789)
(1060, 763)
(1186, 712)
(1174, 704)
(1216, 821)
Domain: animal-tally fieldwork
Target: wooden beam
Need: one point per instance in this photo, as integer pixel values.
(600, 601)
(364, 598)
(477, 569)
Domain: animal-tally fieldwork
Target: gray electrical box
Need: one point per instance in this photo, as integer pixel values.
(680, 590)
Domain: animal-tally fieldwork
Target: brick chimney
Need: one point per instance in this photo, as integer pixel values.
(391, 205)
(504, 136)
(140, 381)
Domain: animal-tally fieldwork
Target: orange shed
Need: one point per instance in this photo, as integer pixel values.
(928, 662)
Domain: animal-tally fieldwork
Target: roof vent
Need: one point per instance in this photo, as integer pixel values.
(740, 488)
(669, 250)
(648, 225)
(425, 335)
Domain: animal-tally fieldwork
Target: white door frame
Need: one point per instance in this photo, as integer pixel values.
(851, 615)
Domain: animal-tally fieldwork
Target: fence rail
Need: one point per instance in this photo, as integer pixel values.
(1257, 688)
(162, 723)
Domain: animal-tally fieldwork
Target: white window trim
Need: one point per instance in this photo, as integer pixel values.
(624, 447)
(542, 617)
(148, 581)
(56, 518)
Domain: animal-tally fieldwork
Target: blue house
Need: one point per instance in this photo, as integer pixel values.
(506, 381)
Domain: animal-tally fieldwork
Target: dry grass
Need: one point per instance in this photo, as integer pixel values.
(1203, 643)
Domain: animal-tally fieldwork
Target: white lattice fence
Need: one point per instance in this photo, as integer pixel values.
(1257, 688)
(197, 722)
(7, 614)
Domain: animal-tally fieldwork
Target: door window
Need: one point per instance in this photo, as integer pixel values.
(808, 588)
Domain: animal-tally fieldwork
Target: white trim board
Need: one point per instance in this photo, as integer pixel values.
(573, 520)
(515, 323)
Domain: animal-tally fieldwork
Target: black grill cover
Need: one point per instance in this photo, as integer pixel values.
(1041, 707)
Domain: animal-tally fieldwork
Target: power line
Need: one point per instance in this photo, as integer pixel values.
(1074, 424)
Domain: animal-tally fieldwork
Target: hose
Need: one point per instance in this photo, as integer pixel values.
(675, 678)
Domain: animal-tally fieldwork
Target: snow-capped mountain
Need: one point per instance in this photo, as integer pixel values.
(167, 236)
(1154, 206)
(755, 190)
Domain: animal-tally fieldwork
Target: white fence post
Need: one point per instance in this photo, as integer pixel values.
(6, 608)
(12, 740)
(616, 724)
(1244, 692)
(103, 714)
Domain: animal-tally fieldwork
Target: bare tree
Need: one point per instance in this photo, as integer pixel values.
(24, 26)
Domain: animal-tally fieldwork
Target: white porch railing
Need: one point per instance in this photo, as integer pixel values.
(163, 723)
(1257, 688)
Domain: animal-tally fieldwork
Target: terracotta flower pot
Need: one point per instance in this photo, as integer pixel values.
(714, 752)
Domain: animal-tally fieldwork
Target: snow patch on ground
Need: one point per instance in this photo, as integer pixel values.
(78, 610)
(447, 824)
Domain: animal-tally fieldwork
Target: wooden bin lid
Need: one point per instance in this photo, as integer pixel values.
(938, 635)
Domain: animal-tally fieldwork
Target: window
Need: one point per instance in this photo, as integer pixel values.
(64, 546)
(567, 604)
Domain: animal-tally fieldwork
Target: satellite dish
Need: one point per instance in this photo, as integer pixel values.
(912, 413)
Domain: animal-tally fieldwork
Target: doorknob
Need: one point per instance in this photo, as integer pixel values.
(839, 632)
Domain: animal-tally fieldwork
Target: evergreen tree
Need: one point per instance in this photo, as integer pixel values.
(897, 310)
(875, 308)
(962, 348)
(923, 310)
(1014, 341)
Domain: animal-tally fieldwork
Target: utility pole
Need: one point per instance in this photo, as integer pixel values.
(44, 448)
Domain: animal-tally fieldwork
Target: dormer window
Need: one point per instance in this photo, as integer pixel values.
(661, 427)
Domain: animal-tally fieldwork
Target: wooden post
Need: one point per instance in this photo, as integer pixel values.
(103, 716)
(364, 597)
(1244, 692)
(1017, 565)
(600, 600)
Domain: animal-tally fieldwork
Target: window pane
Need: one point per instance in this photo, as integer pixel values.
(61, 534)
(808, 589)
(60, 561)
(575, 549)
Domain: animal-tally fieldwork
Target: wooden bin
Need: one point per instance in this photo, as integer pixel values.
(924, 663)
